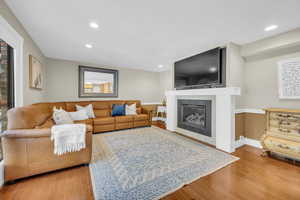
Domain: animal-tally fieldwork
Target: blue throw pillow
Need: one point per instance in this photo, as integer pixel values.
(118, 110)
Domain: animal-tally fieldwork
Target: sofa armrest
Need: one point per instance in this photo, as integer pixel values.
(32, 133)
(27, 133)
(148, 112)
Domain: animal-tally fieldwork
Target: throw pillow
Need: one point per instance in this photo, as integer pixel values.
(60, 116)
(88, 109)
(130, 109)
(79, 115)
(118, 110)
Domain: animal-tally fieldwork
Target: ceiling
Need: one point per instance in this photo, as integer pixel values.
(143, 34)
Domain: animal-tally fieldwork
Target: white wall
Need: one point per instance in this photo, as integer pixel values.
(261, 83)
(166, 80)
(62, 83)
(235, 70)
(253, 67)
(30, 95)
(268, 46)
(261, 70)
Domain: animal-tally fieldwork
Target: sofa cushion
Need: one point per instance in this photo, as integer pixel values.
(101, 105)
(48, 124)
(125, 125)
(140, 123)
(104, 120)
(102, 113)
(139, 110)
(122, 119)
(104, 128)
(140, 117)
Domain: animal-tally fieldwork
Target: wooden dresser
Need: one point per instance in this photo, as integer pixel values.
(282, 135)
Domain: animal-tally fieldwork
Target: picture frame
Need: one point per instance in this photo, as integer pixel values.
(97, 82)
(289, 79)
(36, 77)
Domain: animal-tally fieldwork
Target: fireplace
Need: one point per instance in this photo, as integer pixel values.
(195, 115)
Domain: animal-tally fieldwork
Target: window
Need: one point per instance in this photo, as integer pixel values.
(6, 83)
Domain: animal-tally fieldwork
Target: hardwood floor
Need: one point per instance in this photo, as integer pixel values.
(252, 177)
(69, 184)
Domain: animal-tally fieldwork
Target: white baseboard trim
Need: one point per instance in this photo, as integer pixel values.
(151, 103)
(250, 110)
(239, 143)
(251, 142)
(1, 173)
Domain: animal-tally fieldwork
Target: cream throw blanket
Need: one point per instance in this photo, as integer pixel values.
(68, 138)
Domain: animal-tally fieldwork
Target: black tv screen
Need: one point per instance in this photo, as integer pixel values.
(200, 70)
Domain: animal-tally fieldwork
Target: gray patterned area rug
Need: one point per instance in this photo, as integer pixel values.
(149, 163)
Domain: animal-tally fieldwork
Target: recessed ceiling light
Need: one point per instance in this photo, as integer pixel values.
(89, 46)
(160, 66)
(271, 28)
(94, 25)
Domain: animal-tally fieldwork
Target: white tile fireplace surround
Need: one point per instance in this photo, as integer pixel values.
(223, 116)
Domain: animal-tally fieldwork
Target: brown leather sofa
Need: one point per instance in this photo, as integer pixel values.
(105, 122)
(28, 150)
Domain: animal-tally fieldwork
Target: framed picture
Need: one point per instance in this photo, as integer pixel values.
(289, 79)
(35, 73)
(97, 82)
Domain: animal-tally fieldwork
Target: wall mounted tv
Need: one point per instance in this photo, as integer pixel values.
(204, 70)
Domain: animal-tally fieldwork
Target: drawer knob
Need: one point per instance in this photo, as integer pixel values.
(284, 123)
(284, 130)
(283, 115)
(283, 146)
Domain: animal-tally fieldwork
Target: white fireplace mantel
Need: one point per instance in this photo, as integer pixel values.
(225, 112)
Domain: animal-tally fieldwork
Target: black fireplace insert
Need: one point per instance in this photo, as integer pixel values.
(195, 115)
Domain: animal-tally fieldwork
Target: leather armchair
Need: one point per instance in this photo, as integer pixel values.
(29, 151)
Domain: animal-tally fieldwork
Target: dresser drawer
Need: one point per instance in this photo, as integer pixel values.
(284, 116)
(281, 146)
(285, 124)
(295, 133)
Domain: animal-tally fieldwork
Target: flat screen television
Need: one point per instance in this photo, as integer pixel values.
(203, 70)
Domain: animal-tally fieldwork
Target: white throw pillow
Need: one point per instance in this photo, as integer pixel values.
(78, 115)
(130, 109)
(88, 109)
(60, 116)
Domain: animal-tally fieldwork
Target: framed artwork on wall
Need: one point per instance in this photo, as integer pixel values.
(97, 82)
(289, 79)
(36, 78)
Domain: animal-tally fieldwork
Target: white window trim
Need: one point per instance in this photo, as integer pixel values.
(15, 40)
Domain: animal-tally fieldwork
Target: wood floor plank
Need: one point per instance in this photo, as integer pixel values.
(252, 177)
(69, 184)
